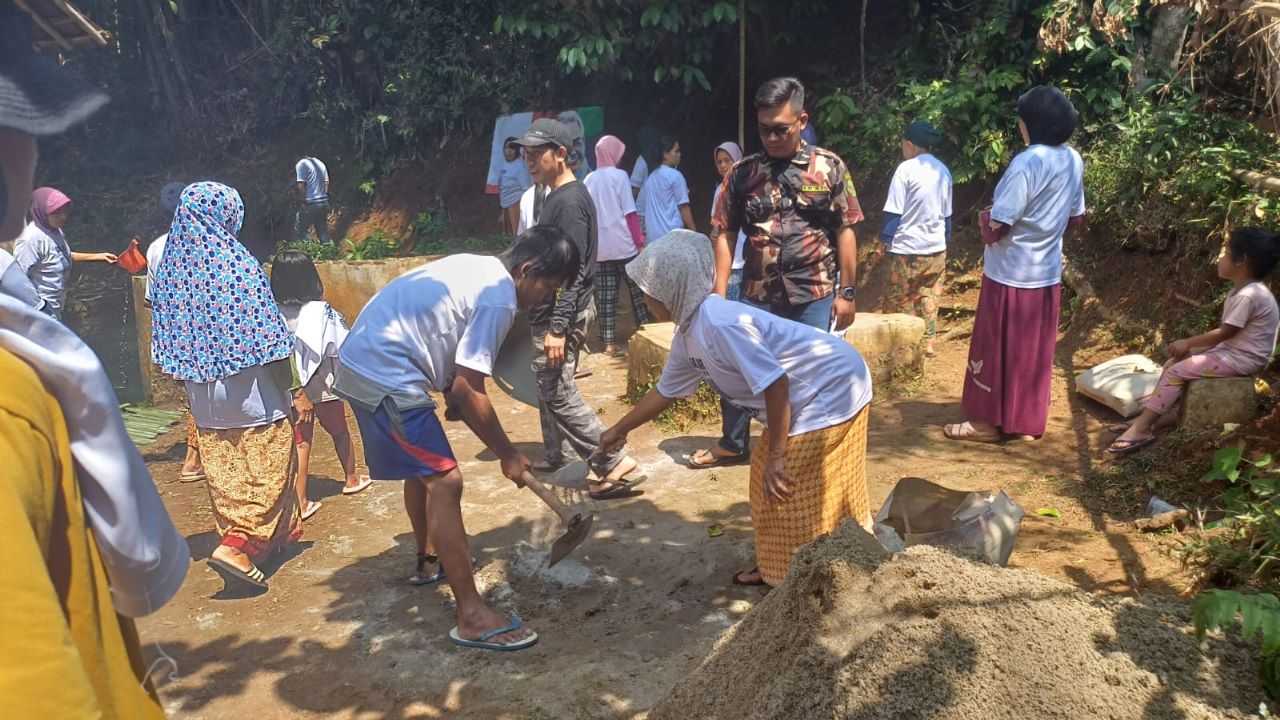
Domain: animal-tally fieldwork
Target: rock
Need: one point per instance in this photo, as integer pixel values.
(646, 354)
(888, 342)
(1210, 403)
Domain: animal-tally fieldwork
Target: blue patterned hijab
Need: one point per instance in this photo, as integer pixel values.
(212, 312)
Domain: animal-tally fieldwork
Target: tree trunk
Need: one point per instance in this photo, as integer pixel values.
(1163, 53)
(175, 54)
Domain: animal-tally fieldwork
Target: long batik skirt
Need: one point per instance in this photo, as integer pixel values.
(828, 471)
(250, 479)
(1010, 369)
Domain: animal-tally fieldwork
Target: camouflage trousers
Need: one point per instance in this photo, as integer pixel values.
(915, 284)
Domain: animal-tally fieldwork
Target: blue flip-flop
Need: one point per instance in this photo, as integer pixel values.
(419, 579)
(483, 643)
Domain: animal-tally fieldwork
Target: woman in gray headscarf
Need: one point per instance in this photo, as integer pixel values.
(809, 388)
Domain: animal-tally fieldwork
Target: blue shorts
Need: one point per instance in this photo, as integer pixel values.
(421, 450)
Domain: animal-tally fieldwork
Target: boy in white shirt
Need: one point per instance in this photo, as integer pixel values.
(438, 328)
(917, 228)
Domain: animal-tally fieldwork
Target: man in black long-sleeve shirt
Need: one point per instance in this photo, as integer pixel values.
(559, 328)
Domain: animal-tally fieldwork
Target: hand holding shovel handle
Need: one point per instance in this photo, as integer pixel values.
(548, 496)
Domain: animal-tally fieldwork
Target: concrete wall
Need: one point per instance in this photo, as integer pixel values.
(348, 285)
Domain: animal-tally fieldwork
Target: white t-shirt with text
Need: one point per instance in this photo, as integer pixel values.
(741, 350)
(1036, 197)
(411, 336)
(611, 192)
(660, 200)
(921, 193)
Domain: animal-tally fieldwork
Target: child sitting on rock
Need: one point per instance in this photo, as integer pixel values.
(1239, 347)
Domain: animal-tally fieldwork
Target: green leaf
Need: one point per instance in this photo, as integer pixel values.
(1225, 466)
(1048, 512)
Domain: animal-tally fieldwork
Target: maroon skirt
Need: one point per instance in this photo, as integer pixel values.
(1010, 369)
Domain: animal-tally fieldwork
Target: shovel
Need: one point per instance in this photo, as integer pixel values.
(577, 527)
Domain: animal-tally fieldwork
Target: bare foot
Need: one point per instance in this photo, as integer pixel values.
(483, 619)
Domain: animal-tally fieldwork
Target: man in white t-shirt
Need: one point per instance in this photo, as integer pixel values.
(664, 200)
(438, 329)
(312, 178)
(917, 227)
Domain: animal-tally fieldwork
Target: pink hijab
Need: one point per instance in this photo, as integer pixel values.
(609, 150)
(46, 201)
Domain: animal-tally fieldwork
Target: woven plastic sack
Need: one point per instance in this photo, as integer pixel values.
(1120, 384)
(917, 512)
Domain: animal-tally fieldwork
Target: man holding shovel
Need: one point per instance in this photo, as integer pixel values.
(439, 328)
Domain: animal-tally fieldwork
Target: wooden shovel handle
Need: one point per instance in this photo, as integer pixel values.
(547, 496)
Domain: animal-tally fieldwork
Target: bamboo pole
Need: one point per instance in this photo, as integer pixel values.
(1257, 180)
(742, 74)
(44, 25)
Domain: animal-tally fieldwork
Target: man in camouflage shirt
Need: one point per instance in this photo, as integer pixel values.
(797, 205)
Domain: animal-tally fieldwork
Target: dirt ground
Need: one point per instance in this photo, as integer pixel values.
(340, 634)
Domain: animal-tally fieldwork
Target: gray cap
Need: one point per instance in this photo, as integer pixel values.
(546, 131)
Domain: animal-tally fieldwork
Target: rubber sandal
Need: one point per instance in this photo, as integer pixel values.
(716, 460)
(232, 575)
(620, 489)
(965, 432)
(757, 583)
(365, 482)
(190, 477)
(419, 579)
(311, 509)
(483, 642)
(1126, 447)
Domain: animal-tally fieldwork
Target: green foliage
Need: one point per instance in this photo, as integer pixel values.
(700, 408)
(1246, 544)
(1159, 171)
(375, 246)
(1259, 616)
(402, 76)
(672, 41)
(318, 251)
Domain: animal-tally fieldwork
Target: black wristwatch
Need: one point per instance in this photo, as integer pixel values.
(848, 292)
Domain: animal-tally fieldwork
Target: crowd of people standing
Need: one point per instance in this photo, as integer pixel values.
(757, 305)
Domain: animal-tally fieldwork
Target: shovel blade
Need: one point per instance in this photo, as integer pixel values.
(579, 529)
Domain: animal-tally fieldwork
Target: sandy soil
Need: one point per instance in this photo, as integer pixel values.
(340, 634)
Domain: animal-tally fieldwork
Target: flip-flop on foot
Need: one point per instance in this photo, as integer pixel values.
(618, 489)
(190, 476)
(699, 461)
(232, 575)
(311, 509)
(1126, 447)
(737, 578)
(421, 578)
(365, 482)
(485, 643)
(967, 432)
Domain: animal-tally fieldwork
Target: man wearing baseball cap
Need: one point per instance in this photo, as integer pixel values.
(88, 543)
(559, 328)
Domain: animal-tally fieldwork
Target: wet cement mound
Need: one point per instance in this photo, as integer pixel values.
(855, 633)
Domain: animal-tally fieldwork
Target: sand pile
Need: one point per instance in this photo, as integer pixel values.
(855, 634)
